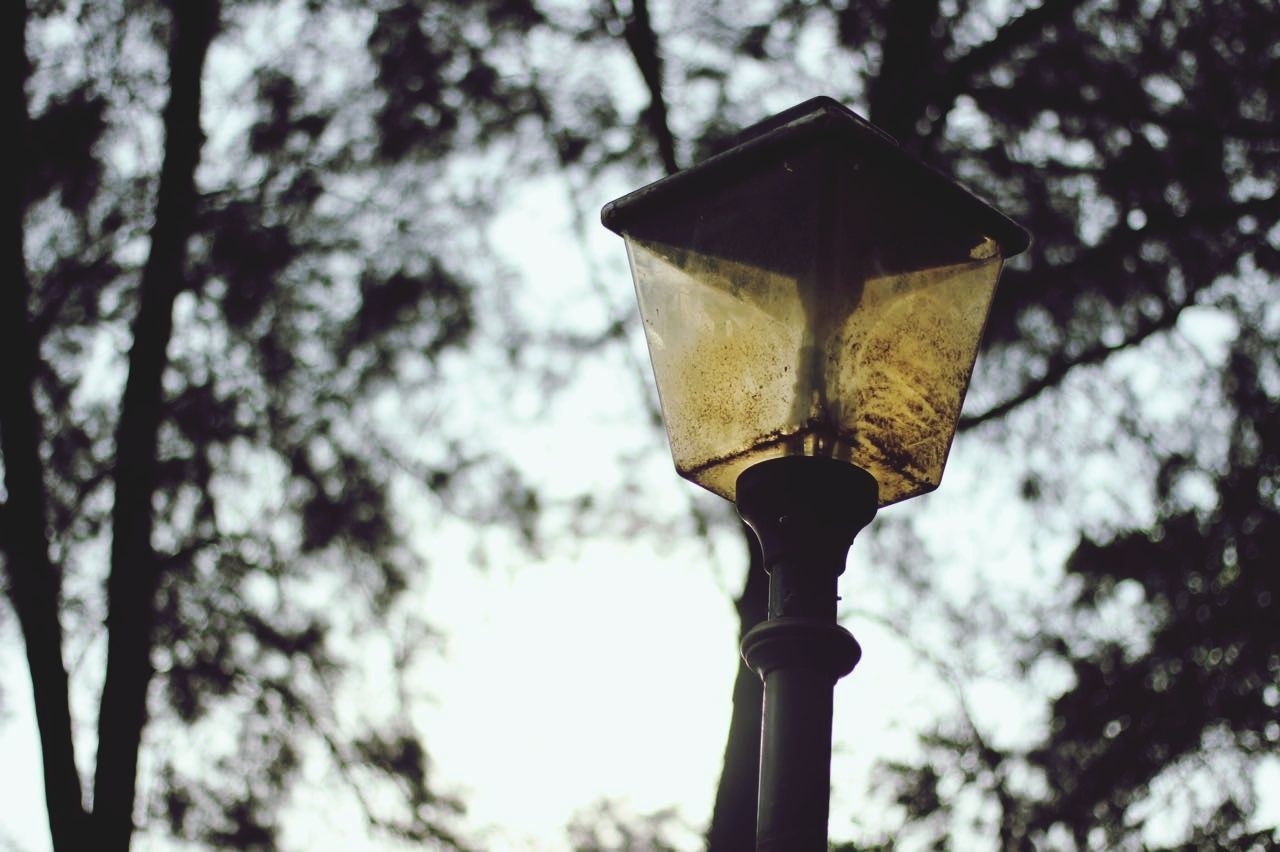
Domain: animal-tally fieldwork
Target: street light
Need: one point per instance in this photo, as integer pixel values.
(813, 299)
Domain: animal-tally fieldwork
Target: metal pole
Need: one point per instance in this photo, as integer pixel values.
(805, 511)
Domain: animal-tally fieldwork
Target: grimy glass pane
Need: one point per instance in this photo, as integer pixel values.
(863, 361)
(813, 290)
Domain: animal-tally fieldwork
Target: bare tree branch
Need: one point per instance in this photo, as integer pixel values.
(1060, 366)
(1070, 101)
(1019, 31)
(643, 42)
(1162, 226)
(131, 586)
(34, 584)
(963, 72)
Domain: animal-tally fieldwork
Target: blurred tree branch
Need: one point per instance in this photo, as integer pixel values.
(638, 32)
(132, 583)
(1061, 365)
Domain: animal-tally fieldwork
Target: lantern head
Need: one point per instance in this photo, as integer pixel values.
(815, 291)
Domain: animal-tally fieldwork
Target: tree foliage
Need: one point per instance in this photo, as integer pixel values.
(212, 293)
(1137, 142)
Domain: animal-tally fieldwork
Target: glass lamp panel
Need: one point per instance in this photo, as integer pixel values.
(898, 367)
(725, 361)
(877, 382)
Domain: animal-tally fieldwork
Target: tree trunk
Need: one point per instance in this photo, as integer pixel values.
(908, 76)
(131, 586)
(733, 819)
(34, 583)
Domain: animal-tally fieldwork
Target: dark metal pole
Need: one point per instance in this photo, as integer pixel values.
(806, 511)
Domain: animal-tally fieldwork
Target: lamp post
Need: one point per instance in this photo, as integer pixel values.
(813, 299)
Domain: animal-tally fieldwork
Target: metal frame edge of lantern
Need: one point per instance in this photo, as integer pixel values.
(805, 510)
